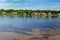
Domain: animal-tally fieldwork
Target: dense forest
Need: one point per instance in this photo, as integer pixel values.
(29, 11)
(12, 11)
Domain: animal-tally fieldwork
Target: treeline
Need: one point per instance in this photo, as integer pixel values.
(30, 11)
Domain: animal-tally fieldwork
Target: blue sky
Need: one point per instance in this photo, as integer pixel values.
(30, 4)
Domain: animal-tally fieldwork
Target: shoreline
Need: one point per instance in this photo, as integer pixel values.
(35, 34)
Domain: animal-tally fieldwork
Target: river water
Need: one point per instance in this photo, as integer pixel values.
(18, 24)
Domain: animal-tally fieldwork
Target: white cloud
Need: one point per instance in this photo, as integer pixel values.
(33, 0)
(42, 7)
(2, 0)
(26, 3)
(55, 3)
(54, 7)
(1, 4)
(15, 0)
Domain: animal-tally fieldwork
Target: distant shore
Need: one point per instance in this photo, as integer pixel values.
(38, 12)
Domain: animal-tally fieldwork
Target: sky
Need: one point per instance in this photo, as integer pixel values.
(30, 4)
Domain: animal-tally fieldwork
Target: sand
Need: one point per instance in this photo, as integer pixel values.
(35, 34)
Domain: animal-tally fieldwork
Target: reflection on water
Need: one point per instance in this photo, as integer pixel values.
(21, 22)
(26, 24)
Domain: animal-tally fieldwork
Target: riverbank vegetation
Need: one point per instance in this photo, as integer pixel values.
(30, 12)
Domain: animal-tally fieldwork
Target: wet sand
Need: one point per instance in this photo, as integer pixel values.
(35, 34)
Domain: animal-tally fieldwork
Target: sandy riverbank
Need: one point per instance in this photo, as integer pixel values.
(35, 34)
